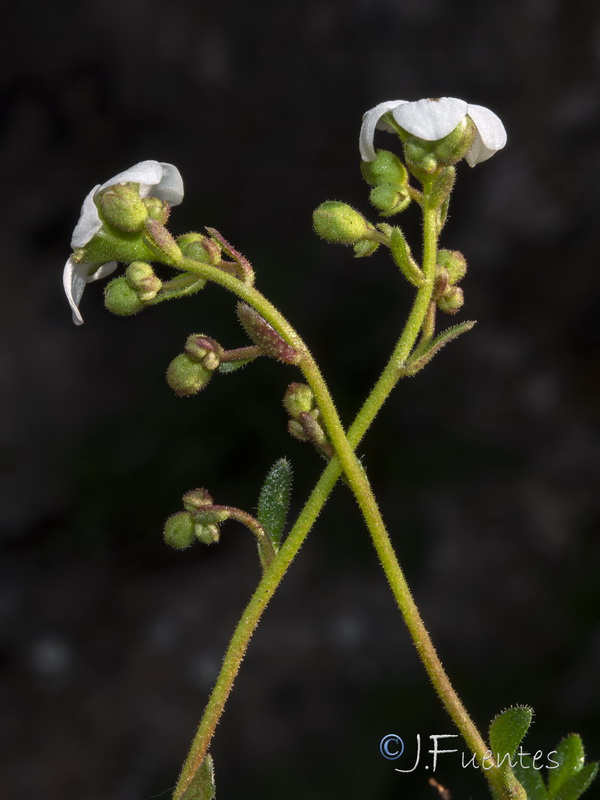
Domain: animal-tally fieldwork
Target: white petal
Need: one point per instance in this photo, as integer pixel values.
(170, 187)
(370, 122)
(431, 119)
(76, 276)
(89, 222)
(148, 173)
(490, 137)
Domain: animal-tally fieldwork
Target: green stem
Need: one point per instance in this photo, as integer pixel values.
(345, 460)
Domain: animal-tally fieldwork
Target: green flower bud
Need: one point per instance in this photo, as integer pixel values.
(121, 299)
(123, 208)
(187, 377)
(454, 263)
(340, 223)
(419, 157)
(456, 145)
(196, 499)
(143, 280)
(296, 429)
(387, 168)
(157, 209)
(298, 399)
(179, 530)
(452, 300)
(200, 248)
(207, 534)
(365, 247)
(203, 349)
(388, 199)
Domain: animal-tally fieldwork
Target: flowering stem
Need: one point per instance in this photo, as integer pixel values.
(344, 460)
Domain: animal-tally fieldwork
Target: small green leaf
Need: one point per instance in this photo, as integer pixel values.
(576, 785)
(420, 358)
(530, 779)
(231, 366)
(507, 731)
(570, 757)
(274, 499)
(202, 786)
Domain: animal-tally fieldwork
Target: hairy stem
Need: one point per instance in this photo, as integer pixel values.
(344, 460)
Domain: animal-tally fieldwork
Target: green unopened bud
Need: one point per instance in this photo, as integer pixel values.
(121, 299)
(298, 399)
(296, 429)
(456, 145)
(122, 207)
(200, 248)
(187, 377)
(340, 223)
(157, 209)
(365, 247)
(387, 168)
(179, 530)
(452, 300)
(207, 534)
(160, 241)
(143, 280)
(454, 263)
(419, 157)
(205, 350)
(389, 199)
(196, 499)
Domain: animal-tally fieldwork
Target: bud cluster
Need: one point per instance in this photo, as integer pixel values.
(389, 178)
(129, 293)
(190, 371)
(451, 268)
(305, 423)
(339, 223)
(199, 520)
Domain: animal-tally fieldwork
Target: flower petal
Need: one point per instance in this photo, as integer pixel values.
(89, 222)
(490, 137)
(170, 187)
(148, 173)
(75, 277)
(431, 119)
(370, 123)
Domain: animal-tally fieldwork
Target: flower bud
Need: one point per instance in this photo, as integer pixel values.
(389, 199)
(123, 208)
(298, 399)
(419, 157)
(296, 429)
(452, 300)
(454, 263)
(340, 223)
(207, 534)
(143, 280)
(387, 168)
(157, 209)
(365, 247)
(200, 248)
(456, 145)
(203, 349)
(187, 377)
(196, 499)
(121, 299)
(179, 530)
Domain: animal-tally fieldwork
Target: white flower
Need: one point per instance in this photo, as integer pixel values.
(433, 119)
(156, 179)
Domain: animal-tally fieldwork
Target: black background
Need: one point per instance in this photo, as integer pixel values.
(485, 465)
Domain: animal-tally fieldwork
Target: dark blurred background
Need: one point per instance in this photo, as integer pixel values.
(486, 464)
